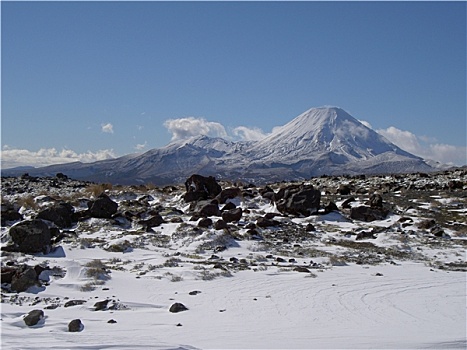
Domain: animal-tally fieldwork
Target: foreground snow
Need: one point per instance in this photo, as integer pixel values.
(388, 306)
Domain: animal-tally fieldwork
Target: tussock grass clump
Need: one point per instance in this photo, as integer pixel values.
(207, 275)
(96, 189)
(172, 262)
(97, 270)
(28, 202)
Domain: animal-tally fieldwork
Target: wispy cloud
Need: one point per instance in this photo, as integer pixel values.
(183, 128)
(249, 134)
(11, 157)
(107, 128)
(141, 146)
(425, 147)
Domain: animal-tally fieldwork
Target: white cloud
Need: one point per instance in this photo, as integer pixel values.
(249, 134)
(141, 146)
(11, 157)
(425, 147)
(107, 128)
(367, 124)
(183, 128)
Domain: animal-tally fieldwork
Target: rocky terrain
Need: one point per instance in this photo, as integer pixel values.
(72, 248)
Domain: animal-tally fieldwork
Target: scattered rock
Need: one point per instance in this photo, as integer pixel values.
(154, 221)
(346, 203)
(229, 193)
(75, 326)
(376, 201)
(344, 189)
(220, 225)
(426, 224)
(31, 236)
(298, 200)
(74, 303)
(365, 235)
(264, 222)
(211, 209)
(33, 317)
(199, 187)
(233, 215)
(177, 307)
(364, 213)
(23, 280)
(205, 222)
(101, 305)
(103, 207)
(9, 213)
(61, 214)
(301, 269)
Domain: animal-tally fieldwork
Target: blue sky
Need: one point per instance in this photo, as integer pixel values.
(89, 80)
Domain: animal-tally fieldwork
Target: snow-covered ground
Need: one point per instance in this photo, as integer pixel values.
(261, 302)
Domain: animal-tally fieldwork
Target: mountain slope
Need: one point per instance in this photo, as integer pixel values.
(322, 131)
(324, 140)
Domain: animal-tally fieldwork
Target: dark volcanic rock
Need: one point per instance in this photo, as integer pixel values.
(74, 303)
(60, 215)
(23, 280)
(376, 201)
(344, 190)
(298, 200)
(178, 307)
(33, 317)
(75, 326)
(232, 215)
(228, 206)
(31, 236)
(201, 187)
(153, 221)
(9, 213)
(364, 213)
(211, 209)
(346, 203)
(229, 193)
(205, 222)
(103, 207)
(8, 273)
(101, 305)
(264, 222)
(220, 224)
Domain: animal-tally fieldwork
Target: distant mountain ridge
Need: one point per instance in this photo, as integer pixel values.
(324, 140)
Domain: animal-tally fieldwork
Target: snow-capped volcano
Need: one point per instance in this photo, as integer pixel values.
(325, 140)
(323, 130)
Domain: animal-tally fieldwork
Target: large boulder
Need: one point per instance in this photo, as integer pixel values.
(9, 213)
(23, 280)
(364, 213)
(298, 200)
(200, 187)
(154, 221)
(232, 215)
(31, 236)
(210, 209)
(103, 207)
(229, 193)
(60, 215)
